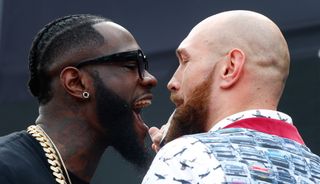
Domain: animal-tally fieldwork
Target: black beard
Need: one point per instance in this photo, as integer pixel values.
(191, 117)
(115, 115)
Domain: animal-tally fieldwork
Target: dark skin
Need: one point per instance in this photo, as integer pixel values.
(70, 120)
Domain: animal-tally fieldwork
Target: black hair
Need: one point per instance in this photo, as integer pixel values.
(53, 40)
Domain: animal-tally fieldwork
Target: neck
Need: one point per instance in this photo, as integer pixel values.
(232, 107)
(79, 145)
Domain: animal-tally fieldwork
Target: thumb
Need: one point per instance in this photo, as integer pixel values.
(155, 135)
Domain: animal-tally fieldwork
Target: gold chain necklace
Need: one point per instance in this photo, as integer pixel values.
(53, 156)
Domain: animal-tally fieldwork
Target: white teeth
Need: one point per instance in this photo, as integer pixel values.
(142, 103)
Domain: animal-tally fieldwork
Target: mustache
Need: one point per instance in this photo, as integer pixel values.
(176, 99)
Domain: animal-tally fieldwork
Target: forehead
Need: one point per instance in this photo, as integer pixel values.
(116, 38)
(191, 45)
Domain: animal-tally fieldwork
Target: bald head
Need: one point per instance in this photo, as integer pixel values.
(253, 32)
(238, 59)
(245, 56)
(256, 34)
(260, 39)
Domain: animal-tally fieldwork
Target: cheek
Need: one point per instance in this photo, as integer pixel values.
(125, 89)
(122, 86)
(193, 77)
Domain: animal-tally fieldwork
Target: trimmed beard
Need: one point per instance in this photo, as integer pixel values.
(191, 117)
(115, 115)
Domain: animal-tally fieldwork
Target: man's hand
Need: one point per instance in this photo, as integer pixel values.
(157, 135)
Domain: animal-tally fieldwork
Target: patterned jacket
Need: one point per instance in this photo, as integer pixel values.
(255, 149)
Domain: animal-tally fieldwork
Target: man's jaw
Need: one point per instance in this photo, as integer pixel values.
(178, 101)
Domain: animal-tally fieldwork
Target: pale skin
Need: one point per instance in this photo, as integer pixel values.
(250, 60)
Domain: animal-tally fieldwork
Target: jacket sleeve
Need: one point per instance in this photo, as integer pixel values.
(184, 160)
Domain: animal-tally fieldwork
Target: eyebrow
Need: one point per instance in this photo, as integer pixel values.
(178, 51)
(182, 52)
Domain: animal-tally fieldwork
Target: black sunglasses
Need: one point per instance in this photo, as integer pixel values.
(136, 55)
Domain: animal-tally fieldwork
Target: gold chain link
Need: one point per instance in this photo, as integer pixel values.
(51, 152)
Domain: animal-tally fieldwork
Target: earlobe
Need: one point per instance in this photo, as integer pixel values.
(73, 82)
(232, 68)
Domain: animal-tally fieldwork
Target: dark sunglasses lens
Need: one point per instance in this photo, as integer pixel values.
(146, 64)
(141, 67)
(143, 64)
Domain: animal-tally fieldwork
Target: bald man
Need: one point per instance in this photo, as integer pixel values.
(226, 127)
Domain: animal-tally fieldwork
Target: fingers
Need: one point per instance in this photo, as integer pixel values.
(155, 135)
(155, 148)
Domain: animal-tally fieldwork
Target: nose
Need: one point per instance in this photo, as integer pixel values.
(173, 85)
(149, 80)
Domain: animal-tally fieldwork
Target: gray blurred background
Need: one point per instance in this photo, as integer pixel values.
(159, 27)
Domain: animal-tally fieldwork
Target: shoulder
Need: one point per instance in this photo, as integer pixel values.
(16, 142)
(9, 137)
(9, 155)
(12, 149)
(18, 148)
(185, 159)
(10, 141)
(21, 155)
(183, 145)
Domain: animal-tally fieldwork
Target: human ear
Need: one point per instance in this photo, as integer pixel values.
(232, 68)
(73, 81)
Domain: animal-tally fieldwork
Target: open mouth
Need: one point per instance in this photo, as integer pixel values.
(138, 105)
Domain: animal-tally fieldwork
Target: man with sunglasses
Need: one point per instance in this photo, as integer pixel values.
(91, 81)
